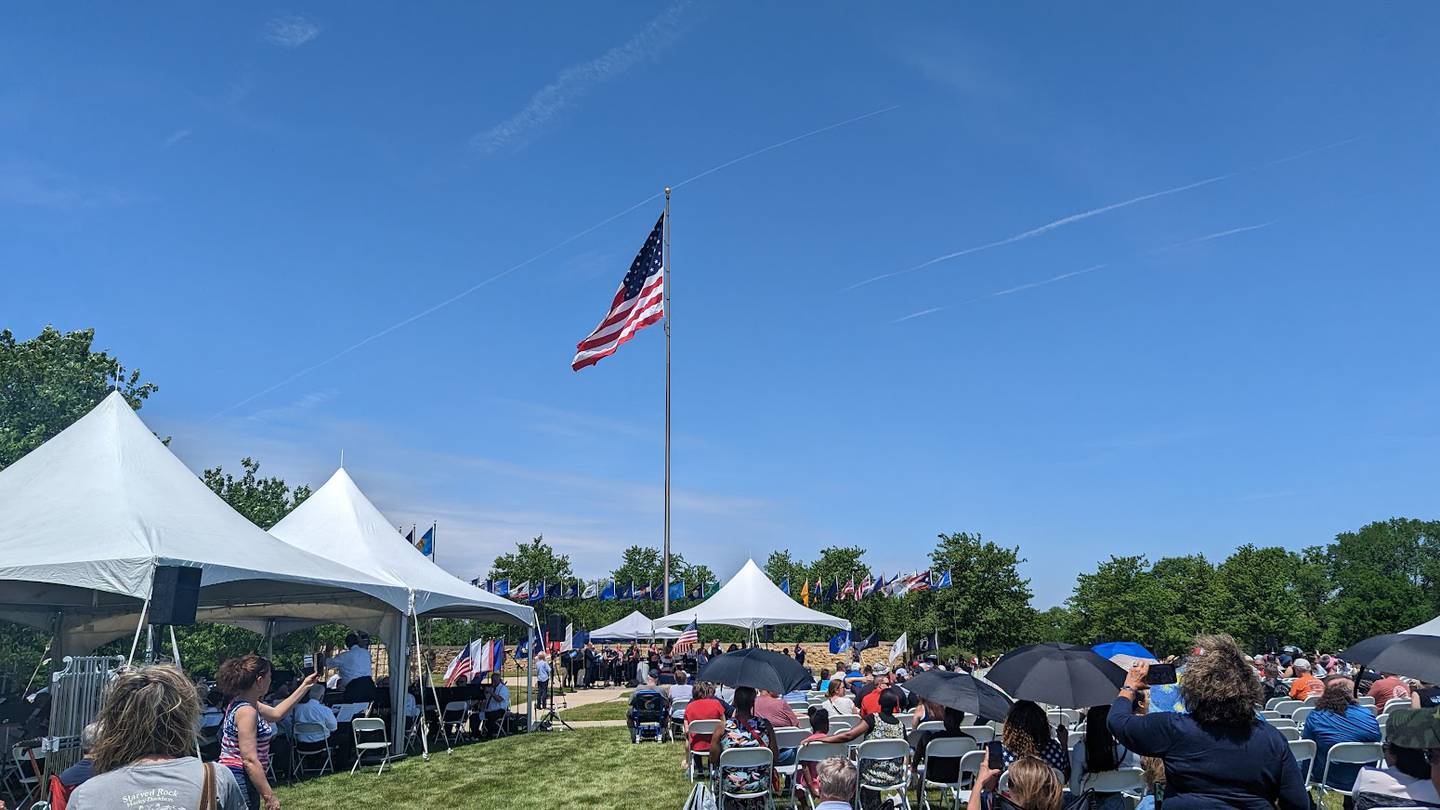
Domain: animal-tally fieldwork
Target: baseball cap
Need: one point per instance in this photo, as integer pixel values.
(1301, 663)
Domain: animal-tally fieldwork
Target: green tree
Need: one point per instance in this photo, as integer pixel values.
(263, 500)
(1120, 600)
(1193, 603)
(49, 381)
(987, 609)
(532, 561)
(1051, 624)
(1266, 599)
(1381, 575)
(780, 566)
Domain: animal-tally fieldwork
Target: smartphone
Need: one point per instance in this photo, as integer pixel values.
(309, 661)
(1160, 674)
(996, 755)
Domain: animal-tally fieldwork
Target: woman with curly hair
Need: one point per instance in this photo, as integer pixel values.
(1220, 753)
(146, 748)
(1027, 734)
(249, 724)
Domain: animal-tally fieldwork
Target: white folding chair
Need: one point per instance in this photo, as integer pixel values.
(1348, 753)
(1289, 732)
(945, 748)
(982, 734)
(369, 727)
(697, 728)
(1281, 722)
(1300, 714)
(935, 726)
(744, 759)
(677, 713)
(29, 766)
(1304, 753)
(798, 706)
(813, 752)
(787, 738)
(1365, 700)
(1313, 700)
(1268, 714)
(1397, 703)
(1275, 701)
(1130, 781)
(452, 719)
(843, 722)
(970, 767)
(881, 750)
(302, 752)
(803, 721)
(1287, 707)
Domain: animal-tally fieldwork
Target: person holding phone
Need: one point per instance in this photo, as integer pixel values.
(1034, 785)
(1219, 752)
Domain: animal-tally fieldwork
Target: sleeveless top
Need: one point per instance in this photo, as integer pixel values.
(230, 740)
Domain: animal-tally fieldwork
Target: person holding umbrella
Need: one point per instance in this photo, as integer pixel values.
(1219, 753)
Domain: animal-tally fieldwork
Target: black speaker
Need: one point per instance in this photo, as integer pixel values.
(174, 595)
(769, 633)
(555, 627)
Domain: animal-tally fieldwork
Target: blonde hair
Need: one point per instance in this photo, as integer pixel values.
(150, 711)
(1035, 785)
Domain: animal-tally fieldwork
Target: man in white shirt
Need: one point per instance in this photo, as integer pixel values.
(312, 709)
(356, 669)
(497, 704)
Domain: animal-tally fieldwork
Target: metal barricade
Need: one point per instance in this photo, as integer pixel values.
(75, 694)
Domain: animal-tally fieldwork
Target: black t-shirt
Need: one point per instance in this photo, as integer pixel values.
(1429, 697)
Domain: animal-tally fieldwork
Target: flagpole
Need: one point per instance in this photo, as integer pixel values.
(666, 270)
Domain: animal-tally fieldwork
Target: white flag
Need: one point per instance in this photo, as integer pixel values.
(901, 644)
(569, 643)
(591, 591)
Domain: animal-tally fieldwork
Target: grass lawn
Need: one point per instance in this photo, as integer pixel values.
(607, 710)
(593, 767)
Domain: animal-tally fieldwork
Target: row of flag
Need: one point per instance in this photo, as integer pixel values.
(604, 590)
(896, 586)
(425, 543)
(476, 658)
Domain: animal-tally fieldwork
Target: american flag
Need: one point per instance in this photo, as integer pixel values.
(462, 666)
(689, 638)
(639, 303)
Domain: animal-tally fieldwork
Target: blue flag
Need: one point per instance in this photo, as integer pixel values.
(573, 592)
(426, 544)
(657, 593)
(944, 580)
(677, 591)
(628, 592)
(502, 587)
(608, 592)
(840, 642)
(785, 586)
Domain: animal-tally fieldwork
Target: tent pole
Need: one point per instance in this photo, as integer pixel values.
(529, 681)
(175, 647)
(420, 680)
(135, 642)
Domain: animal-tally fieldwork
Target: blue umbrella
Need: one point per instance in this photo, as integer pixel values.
(1113, 648)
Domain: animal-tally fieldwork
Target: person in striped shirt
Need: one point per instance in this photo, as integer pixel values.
(249, 724)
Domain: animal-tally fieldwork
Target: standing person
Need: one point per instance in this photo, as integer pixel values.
(249, 724)
(542, 679)
(1339, 718)
(799, 654)
(1219, 753)
(146, 746)
(356, 669)
(744, 730)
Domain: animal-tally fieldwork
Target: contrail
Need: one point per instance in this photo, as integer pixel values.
(1043, 229)
(1217, 235)
(1032, 285)
(1067, 220)
(547, 251)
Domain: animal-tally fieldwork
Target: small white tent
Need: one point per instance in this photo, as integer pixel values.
(87, 517)
(635, 627)
(1430, 628)
(751, 600)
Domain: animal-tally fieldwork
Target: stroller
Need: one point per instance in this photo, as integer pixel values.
(649, 717)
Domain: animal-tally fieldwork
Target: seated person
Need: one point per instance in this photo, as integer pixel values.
(703, 706)
(680, 690)
(771, 708)
(356, 668)
(312, 709)
(644, 695)
(77, 774)
(835, 784)
(496, 705)
(1407, 779)
(807, 776)
(939, 769)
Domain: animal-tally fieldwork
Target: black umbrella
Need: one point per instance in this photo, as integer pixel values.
(1066, 675)
(758, 668)
(1415, 656)
(961, 691)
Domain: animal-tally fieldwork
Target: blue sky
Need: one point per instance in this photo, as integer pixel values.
(1203, 314)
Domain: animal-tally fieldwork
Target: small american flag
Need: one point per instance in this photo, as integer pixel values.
(639, 302)
(459, 668)
(689, 638)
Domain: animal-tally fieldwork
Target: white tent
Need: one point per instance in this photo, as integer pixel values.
(752, 601)
(635, 627)
(87, 517)
(1430, 628)
(337, 521)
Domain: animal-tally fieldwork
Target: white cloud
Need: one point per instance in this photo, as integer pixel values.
(291, 30)
(575, 81)
(176, 137)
